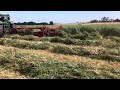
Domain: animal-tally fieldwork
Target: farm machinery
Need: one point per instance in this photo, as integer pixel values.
(6, 26)
(40, 31)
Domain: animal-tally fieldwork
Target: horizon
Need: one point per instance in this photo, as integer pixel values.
(59, 16)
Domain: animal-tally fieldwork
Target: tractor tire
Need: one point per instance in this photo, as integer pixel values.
(1, 31)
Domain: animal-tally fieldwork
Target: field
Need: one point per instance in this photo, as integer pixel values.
(78, 52)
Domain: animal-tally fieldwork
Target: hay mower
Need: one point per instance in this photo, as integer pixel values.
(39, 31)
(6, 26)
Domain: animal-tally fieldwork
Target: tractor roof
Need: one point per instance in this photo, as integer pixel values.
(4, 14)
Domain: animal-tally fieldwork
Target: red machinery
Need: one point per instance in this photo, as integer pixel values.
(40, 31)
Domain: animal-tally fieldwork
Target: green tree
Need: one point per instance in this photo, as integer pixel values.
(51, 23)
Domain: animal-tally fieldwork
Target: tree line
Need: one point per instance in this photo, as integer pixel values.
(105, 19)
(34, 23)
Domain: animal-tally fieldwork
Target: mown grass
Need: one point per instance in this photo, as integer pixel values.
(56, 39)
(109, 42)
(35, 66)
(58, 48)
(10, 74)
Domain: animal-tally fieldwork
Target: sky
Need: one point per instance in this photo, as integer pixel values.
(59, 16)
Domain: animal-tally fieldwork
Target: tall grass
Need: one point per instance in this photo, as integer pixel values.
(104, 30)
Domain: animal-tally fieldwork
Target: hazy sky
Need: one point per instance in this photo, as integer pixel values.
(60, 16)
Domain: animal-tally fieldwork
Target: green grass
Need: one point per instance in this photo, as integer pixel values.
(34, 67)
(52, 57)
(54, 47)
(56, 39)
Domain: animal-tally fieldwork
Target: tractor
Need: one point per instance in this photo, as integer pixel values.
(7, 26)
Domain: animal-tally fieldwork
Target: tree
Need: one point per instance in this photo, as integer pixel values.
(111, 20)
(94, 21)
(116, 20)
(43, 23)
(105, 19)
(31, 23)
(51, 23)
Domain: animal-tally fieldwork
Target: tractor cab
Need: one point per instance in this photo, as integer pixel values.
(4, 18)
(7, 24)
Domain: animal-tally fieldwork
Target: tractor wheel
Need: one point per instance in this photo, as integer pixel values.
(1, 31)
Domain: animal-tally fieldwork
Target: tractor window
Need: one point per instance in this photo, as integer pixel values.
(1, 18)
(8, 18)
